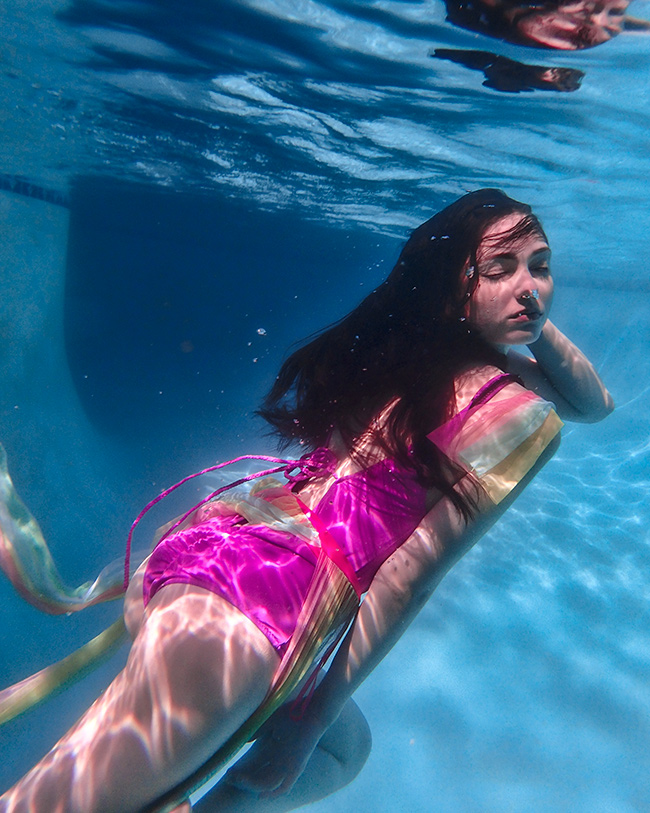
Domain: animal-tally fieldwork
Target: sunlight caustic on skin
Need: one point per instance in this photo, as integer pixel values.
(197, 670)
(514, 293)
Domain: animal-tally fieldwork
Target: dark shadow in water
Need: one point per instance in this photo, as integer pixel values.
(510, 76)
(204, 39)
(179, 307)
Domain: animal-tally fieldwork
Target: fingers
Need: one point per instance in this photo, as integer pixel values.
(278, 757)
(257, 775)
(267, 769)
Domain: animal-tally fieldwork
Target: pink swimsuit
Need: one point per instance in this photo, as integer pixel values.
(265, 571)
(297, 573)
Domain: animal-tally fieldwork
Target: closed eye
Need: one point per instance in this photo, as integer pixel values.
(542, 270)
(499, 267)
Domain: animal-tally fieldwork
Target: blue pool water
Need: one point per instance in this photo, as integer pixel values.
(188, 188)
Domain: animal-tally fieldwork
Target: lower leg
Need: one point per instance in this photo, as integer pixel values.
(339, 757)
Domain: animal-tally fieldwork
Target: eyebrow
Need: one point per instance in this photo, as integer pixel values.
(509, 255)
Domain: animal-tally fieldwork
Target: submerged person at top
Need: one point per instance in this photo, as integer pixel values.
(565, 25)
(422, 425)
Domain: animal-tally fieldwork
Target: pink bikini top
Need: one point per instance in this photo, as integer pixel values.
(364, 516)
(370, 513)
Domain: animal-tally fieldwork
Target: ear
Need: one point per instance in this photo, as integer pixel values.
(469, 283)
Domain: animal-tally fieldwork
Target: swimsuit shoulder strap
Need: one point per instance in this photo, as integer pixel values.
(445, 432)
(492, 387)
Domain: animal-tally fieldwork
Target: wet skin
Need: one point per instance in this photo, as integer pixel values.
(582, 24)
(512, 300)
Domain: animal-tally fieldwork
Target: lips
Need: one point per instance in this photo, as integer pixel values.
(527, 315)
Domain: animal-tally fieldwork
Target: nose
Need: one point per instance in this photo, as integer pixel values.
(525, 284)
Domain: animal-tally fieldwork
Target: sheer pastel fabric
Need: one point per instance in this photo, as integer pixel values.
(330, 552)
(499, 441)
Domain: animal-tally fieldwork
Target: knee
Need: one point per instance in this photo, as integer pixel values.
(349, 741)
(362, 737)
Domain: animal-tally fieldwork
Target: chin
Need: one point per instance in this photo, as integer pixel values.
(522, 339)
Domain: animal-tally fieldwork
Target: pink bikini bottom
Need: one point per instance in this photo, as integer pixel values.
(263, 572)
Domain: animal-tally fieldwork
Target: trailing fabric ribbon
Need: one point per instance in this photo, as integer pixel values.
(27, 562)
(310, 465)
(54, 678)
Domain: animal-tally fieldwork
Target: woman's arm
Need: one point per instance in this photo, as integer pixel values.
(402, 586)
(563, 374)
(399, 590)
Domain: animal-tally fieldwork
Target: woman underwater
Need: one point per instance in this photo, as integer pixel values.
(422, 426)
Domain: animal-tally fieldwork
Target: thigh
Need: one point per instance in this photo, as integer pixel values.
(196, 671)
(209, 651)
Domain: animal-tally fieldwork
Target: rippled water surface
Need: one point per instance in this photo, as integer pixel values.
(195, 186)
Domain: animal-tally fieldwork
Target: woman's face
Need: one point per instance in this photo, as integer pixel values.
(574, 25)
(513, 296)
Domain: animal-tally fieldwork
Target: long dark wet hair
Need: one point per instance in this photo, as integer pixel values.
(403, 345)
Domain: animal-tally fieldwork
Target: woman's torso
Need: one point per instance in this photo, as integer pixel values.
(361, 514)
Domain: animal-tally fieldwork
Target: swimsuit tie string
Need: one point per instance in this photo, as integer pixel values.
(313, 464)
